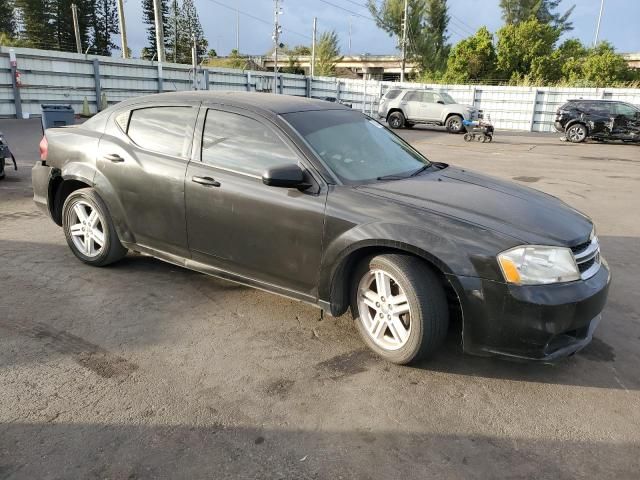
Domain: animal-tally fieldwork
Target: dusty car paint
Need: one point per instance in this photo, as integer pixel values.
(303, 244)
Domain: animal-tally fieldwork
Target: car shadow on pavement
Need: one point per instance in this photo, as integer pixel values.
(133, 450)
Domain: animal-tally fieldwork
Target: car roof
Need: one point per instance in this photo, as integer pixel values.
(255, 101)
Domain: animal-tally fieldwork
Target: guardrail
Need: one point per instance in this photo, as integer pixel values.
(44, 76)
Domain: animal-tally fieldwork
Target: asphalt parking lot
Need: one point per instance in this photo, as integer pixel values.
(145, 370)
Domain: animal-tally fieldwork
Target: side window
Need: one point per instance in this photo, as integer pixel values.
(413, 97)
(391, 94)
(242, 144)
(167, 130)
(626, 110)
(122, 120)
(430, 97)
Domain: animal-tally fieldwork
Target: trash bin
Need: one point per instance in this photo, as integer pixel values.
(57, 116)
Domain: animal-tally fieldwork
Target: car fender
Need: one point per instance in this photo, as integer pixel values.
(439, 250)
(108, 194)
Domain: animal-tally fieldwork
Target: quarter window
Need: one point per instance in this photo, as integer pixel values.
(167, 130)
(242, 144)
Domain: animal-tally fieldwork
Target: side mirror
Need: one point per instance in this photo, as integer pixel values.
(441, 102)
(286, 176)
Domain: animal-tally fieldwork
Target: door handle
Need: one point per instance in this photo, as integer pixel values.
(114, 157)
(206, 181)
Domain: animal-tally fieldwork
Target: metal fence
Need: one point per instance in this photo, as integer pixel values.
(42, 76)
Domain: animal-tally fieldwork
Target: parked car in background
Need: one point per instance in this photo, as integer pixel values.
(336, 100)
(408, 107)
(598, 119)
(318, 202)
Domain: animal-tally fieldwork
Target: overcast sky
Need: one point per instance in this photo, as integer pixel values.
(620, 23)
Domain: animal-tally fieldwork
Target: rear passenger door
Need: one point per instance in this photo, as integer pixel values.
(412, 106)
(238, 224)
(142, 160)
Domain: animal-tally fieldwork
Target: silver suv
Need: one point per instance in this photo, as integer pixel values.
(405, 108)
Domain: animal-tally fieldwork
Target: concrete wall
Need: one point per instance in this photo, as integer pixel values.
(69, 78)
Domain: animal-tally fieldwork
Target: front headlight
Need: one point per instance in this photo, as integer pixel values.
(538, 265)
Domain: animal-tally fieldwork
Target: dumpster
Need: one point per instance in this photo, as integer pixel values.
(57, 116)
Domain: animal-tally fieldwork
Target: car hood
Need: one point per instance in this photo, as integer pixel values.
(520, 212)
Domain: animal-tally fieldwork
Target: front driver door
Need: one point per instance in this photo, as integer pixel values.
(236, 223)
(433, 109)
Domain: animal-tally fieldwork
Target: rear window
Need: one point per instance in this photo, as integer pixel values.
(167, 130)
(391, 94)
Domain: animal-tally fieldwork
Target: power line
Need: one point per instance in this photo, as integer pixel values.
(347, 10)
(258, 18)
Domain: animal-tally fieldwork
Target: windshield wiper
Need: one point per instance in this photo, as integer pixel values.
(419, 171)
(402, 177)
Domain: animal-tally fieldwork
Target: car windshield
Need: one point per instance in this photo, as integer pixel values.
(446, 98)
(355, 147)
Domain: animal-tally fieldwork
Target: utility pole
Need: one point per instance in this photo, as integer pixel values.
(595, 41)
(238, 31)
(194, 61)
(76, 28)
(404, 39)
(350, 17)
(123, 30)
(313, 47)
(159, 31)
(276, 43)
(175, 31)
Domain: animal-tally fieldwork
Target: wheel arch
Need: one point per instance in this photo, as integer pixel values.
(393, 110)
(337, 285)
(572, 122)
(60, 187)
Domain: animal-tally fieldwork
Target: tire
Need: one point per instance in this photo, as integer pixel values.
(468, 137)
(424, 325)
(454, 124)
(84, 209)
(396, 120)
(576, 133)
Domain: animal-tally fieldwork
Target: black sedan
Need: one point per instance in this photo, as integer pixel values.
(320, 203)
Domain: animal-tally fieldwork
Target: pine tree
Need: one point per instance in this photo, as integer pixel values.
(435, 32)
(148, 17)
(62, 23)
(189, 28)
(7, 18)
(104, 23)
(36, 28)
(517, 11)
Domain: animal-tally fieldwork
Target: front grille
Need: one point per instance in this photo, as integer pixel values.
(587, 256)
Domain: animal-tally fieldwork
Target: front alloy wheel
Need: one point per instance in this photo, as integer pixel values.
(384, 309)
(400, 307)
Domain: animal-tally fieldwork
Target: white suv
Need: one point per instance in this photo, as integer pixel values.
(405, 108)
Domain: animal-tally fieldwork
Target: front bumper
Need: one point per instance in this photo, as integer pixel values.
(542, 322)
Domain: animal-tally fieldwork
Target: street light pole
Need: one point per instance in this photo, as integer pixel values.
(159, 31)
(313, 46)
(595, 41)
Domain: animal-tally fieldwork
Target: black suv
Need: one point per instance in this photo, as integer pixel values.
(598, 119)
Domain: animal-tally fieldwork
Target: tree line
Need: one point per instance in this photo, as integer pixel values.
(524, 51)
(48, 24)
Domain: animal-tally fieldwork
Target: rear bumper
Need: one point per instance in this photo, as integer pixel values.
(558, 126)
(41, 179)
(542, 323)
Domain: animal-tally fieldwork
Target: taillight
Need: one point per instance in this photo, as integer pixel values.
(44, 148)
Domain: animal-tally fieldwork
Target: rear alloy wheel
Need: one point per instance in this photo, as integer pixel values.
(396, 120)
(454, 124)
(89, 229)
(400, 307)
(577, 133)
